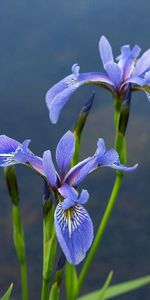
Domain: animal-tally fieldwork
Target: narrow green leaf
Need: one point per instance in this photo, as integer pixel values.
(54, 293)
(119, 289)
(8, 293)
(102, 293)
(71, 280)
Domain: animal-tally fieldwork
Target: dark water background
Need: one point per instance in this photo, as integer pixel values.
(40, 40)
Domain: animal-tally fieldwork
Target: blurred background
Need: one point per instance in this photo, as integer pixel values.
(40, 41)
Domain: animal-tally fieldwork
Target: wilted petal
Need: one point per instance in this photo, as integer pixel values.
(64, 151)
(49, 168)
(143, 64)
(74, 231)
(60, 93)
(105, 50)
(114, 73)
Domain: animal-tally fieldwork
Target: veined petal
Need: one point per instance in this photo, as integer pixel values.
(105, 51)
(12, 152)
(8, 145)
(79, 172)
(84, 197)
(49, 168)
(71, 196)
(68, 192)
(114, 73)
(64, 151)
(108, 158)
(135, 79)
(118, 166)
(143, 64)
(74, 231)
(60, 93)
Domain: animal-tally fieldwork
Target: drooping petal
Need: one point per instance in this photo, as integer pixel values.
(61, 92)
(49, 168)
(118, 166)
(67, 203)
(114, 73)
(111, 159)
(74, 231)
(64, 151)
(12, 152)
(143, 64)
(105, 51)
(8, 145)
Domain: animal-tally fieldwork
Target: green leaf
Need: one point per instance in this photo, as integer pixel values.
(102, 293)
(8, 293)
(54, 293)
(71, 280)
(119, 289)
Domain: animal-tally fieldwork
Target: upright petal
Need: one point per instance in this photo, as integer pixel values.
(105, 51)
(114, 73)
(68, 192)
(49, 168)
(74, 231)
(143, 64)
(64, 151)
(61, 92)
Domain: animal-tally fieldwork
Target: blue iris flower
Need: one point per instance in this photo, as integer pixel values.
(126, 70)
(73, 225)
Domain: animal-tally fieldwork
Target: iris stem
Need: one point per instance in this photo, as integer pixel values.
(100, 231)
(18, 232)
(120, 146)
(49, 247)
(18, 237)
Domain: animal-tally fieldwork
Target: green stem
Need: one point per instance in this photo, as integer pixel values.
(49, 247)
(18, 232)
(18, 237)
(100, 231)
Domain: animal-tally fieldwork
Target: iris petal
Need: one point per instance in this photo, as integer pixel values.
(143, 64)
(105, 50)
(59, 94)
(64, 151)
(74, 231)
(12, 152)
(49, 168)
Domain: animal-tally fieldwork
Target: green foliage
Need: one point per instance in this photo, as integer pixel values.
(118, 289)
(8, 293)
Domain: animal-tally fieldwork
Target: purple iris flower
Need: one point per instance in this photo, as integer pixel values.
(118, 75)
(73, 225)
